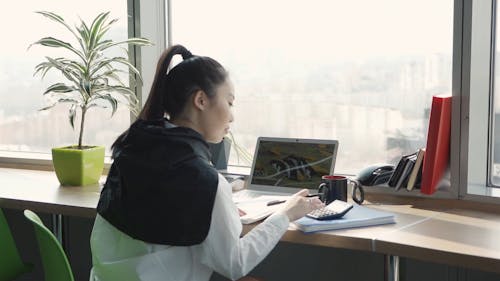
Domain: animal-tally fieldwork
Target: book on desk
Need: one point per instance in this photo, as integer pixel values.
(408, 172)
(358, 216)
(437, 154)
(258, 208)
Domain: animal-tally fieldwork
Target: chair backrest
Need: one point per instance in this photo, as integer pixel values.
(11, 264)
(55, 263)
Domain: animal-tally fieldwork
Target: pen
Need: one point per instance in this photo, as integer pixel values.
(275, 202)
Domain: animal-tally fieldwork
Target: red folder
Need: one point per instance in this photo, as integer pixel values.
(437, 151)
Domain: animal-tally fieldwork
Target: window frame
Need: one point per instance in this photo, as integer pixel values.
(477, 78)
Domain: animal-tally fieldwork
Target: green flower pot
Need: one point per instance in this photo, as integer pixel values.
(78, 166)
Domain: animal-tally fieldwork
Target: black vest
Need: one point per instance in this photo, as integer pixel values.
(161, 186)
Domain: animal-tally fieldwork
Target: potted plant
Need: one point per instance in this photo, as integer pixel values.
(91, 80)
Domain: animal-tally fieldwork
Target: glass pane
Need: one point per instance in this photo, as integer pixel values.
(327, 69)
(495, 158)
(22, 126)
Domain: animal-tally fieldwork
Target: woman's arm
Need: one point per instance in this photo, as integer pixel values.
(224, 250)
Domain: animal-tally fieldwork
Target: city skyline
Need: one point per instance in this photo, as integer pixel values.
(337, 105)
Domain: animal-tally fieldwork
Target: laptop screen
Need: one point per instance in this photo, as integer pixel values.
(296, 163)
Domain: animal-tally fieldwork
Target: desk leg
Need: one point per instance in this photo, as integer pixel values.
(391, 268)
(57, 226)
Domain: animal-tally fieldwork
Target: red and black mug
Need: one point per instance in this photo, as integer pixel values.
(334, 187)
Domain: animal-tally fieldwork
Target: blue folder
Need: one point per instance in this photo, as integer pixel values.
(358, 216)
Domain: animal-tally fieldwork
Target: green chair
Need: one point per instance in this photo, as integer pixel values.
(11, 264)
(55, 263)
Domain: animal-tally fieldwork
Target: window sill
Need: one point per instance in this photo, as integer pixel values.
(34, 161)
(478, 192)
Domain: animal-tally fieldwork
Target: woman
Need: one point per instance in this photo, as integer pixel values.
(164, 212)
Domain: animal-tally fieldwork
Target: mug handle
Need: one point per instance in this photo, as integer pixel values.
(357, 187)
(321, 191)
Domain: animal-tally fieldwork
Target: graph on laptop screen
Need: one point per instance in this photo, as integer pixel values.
(292, 164)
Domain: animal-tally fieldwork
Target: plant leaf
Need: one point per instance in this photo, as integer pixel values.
(69, 100)
(61, 100)
(96, 105)
(129, 65)
(123, 90)
(72, 114)
(86, 88)
(134, 41)
(95, 28)
(98, 66)
(121, 60)
(42, 68)
(140, 41)
(130, 96)
(59, 88)
(65, 70)
(70, 66)
(84, 36)
(56, 43)
(58, 19)
(105, 28)
(95, 53)
(111, 100)
(48, 107)
(111, 74)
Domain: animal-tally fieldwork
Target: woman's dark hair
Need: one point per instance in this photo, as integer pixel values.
(172, 89)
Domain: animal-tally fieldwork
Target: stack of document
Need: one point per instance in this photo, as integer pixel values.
(256, 208)
(358, 216)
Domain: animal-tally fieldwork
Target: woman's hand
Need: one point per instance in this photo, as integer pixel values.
(299, 205)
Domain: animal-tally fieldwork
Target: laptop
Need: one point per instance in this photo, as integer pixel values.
(283, 166)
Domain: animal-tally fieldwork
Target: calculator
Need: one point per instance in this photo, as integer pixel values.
(334, 210)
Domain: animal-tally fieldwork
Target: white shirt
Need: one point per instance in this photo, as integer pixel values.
(117, 256)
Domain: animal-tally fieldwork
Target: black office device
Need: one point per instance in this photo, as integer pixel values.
(375, 174)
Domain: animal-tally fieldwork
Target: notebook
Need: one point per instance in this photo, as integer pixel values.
(358, 216)
(282, 167)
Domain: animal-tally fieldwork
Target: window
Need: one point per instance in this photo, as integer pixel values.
(327, 69)
(22, 126)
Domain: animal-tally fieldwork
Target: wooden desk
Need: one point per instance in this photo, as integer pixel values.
(41, 192)
(443, 231)
(456, 237)
(362, 238)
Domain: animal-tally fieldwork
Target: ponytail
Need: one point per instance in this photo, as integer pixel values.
(153, 108)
